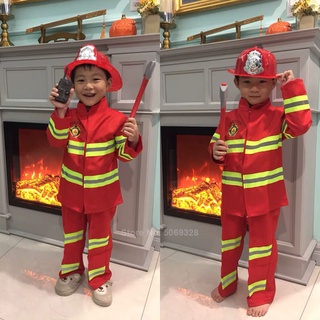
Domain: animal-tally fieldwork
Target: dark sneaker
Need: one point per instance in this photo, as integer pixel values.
(68, 285)
(103, 295)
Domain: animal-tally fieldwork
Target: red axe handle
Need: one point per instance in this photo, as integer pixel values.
(223, 102)
(147, 75)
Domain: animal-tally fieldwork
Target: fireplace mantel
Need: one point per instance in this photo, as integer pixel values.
(190, 82)
(27, 75)
(308, 38)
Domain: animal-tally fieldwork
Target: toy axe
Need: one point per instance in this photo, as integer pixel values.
(146, 76)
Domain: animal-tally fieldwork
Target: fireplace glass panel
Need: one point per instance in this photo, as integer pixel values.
(33, 167)
(191, 180)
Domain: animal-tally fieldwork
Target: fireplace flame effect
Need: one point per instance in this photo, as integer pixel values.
(204, 196)
(37, 186)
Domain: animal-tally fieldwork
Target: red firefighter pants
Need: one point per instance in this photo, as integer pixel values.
(75, 226)
(263, 255)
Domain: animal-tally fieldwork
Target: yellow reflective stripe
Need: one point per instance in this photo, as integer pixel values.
(101, 180)
(92, 149)
(235, 146)
(228, 279)
(71, 176)
(296, 104)
(265, 144)
(96, 272)
(288, 136)
(262, 178)
(257, 286)
(232, 178)
(260, 252)
(76, 147)
(120, 144)
(120, 140)
(73, 237)
(298, 108)
(252, 180)
(215, 137)
(100, 148)
(284, 128)
(98, 243)
(66, 268)
(231, 244)
(56, 133)
(94, 181)
(124, 155)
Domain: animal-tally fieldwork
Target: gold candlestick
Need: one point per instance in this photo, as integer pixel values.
(5, 42)
(166, 26)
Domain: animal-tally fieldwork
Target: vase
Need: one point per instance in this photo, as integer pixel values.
(150, 23)
(307, 22)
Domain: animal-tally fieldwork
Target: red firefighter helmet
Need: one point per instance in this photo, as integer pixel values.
(255, 62)
(89, 54)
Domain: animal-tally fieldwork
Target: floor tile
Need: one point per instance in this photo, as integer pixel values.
(187, 281)
(152, 308)
(7, 242)
(291, 299)
(28, 271)
(165, 253)
(28, 275)
(312, 310)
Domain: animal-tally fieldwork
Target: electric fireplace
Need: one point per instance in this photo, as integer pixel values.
(191, 180)
(33, 167)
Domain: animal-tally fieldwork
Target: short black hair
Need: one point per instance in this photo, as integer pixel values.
(89, 67)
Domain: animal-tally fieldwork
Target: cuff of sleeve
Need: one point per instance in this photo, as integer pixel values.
(138, 149)
(219, 162)
(62, 122)
(293, 88)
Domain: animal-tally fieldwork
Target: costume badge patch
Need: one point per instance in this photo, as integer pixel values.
(254, 63)
(75, 131)
(87, 53)
(233, 130)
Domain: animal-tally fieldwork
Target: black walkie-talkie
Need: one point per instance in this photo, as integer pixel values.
(64, 87)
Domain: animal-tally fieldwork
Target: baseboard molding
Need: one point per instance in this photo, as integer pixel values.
(156, 241)
(4, 223)
(316, 254)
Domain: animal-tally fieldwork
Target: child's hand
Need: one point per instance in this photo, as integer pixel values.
(219, 150)
(130, 130)
(61, 107)
(285, 77)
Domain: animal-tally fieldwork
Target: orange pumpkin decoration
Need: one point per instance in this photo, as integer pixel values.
(279, 26)
(123, 27)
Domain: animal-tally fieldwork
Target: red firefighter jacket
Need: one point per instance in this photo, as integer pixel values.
(252, 177)
(93, 143)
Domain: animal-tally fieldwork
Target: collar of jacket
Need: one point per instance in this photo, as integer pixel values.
(244, 105)
(85, 111)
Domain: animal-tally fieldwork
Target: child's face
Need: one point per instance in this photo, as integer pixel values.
(90, 84)
(255, 90)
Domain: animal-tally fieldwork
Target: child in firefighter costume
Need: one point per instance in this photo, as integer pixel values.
(95, 137)
(253, 188)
